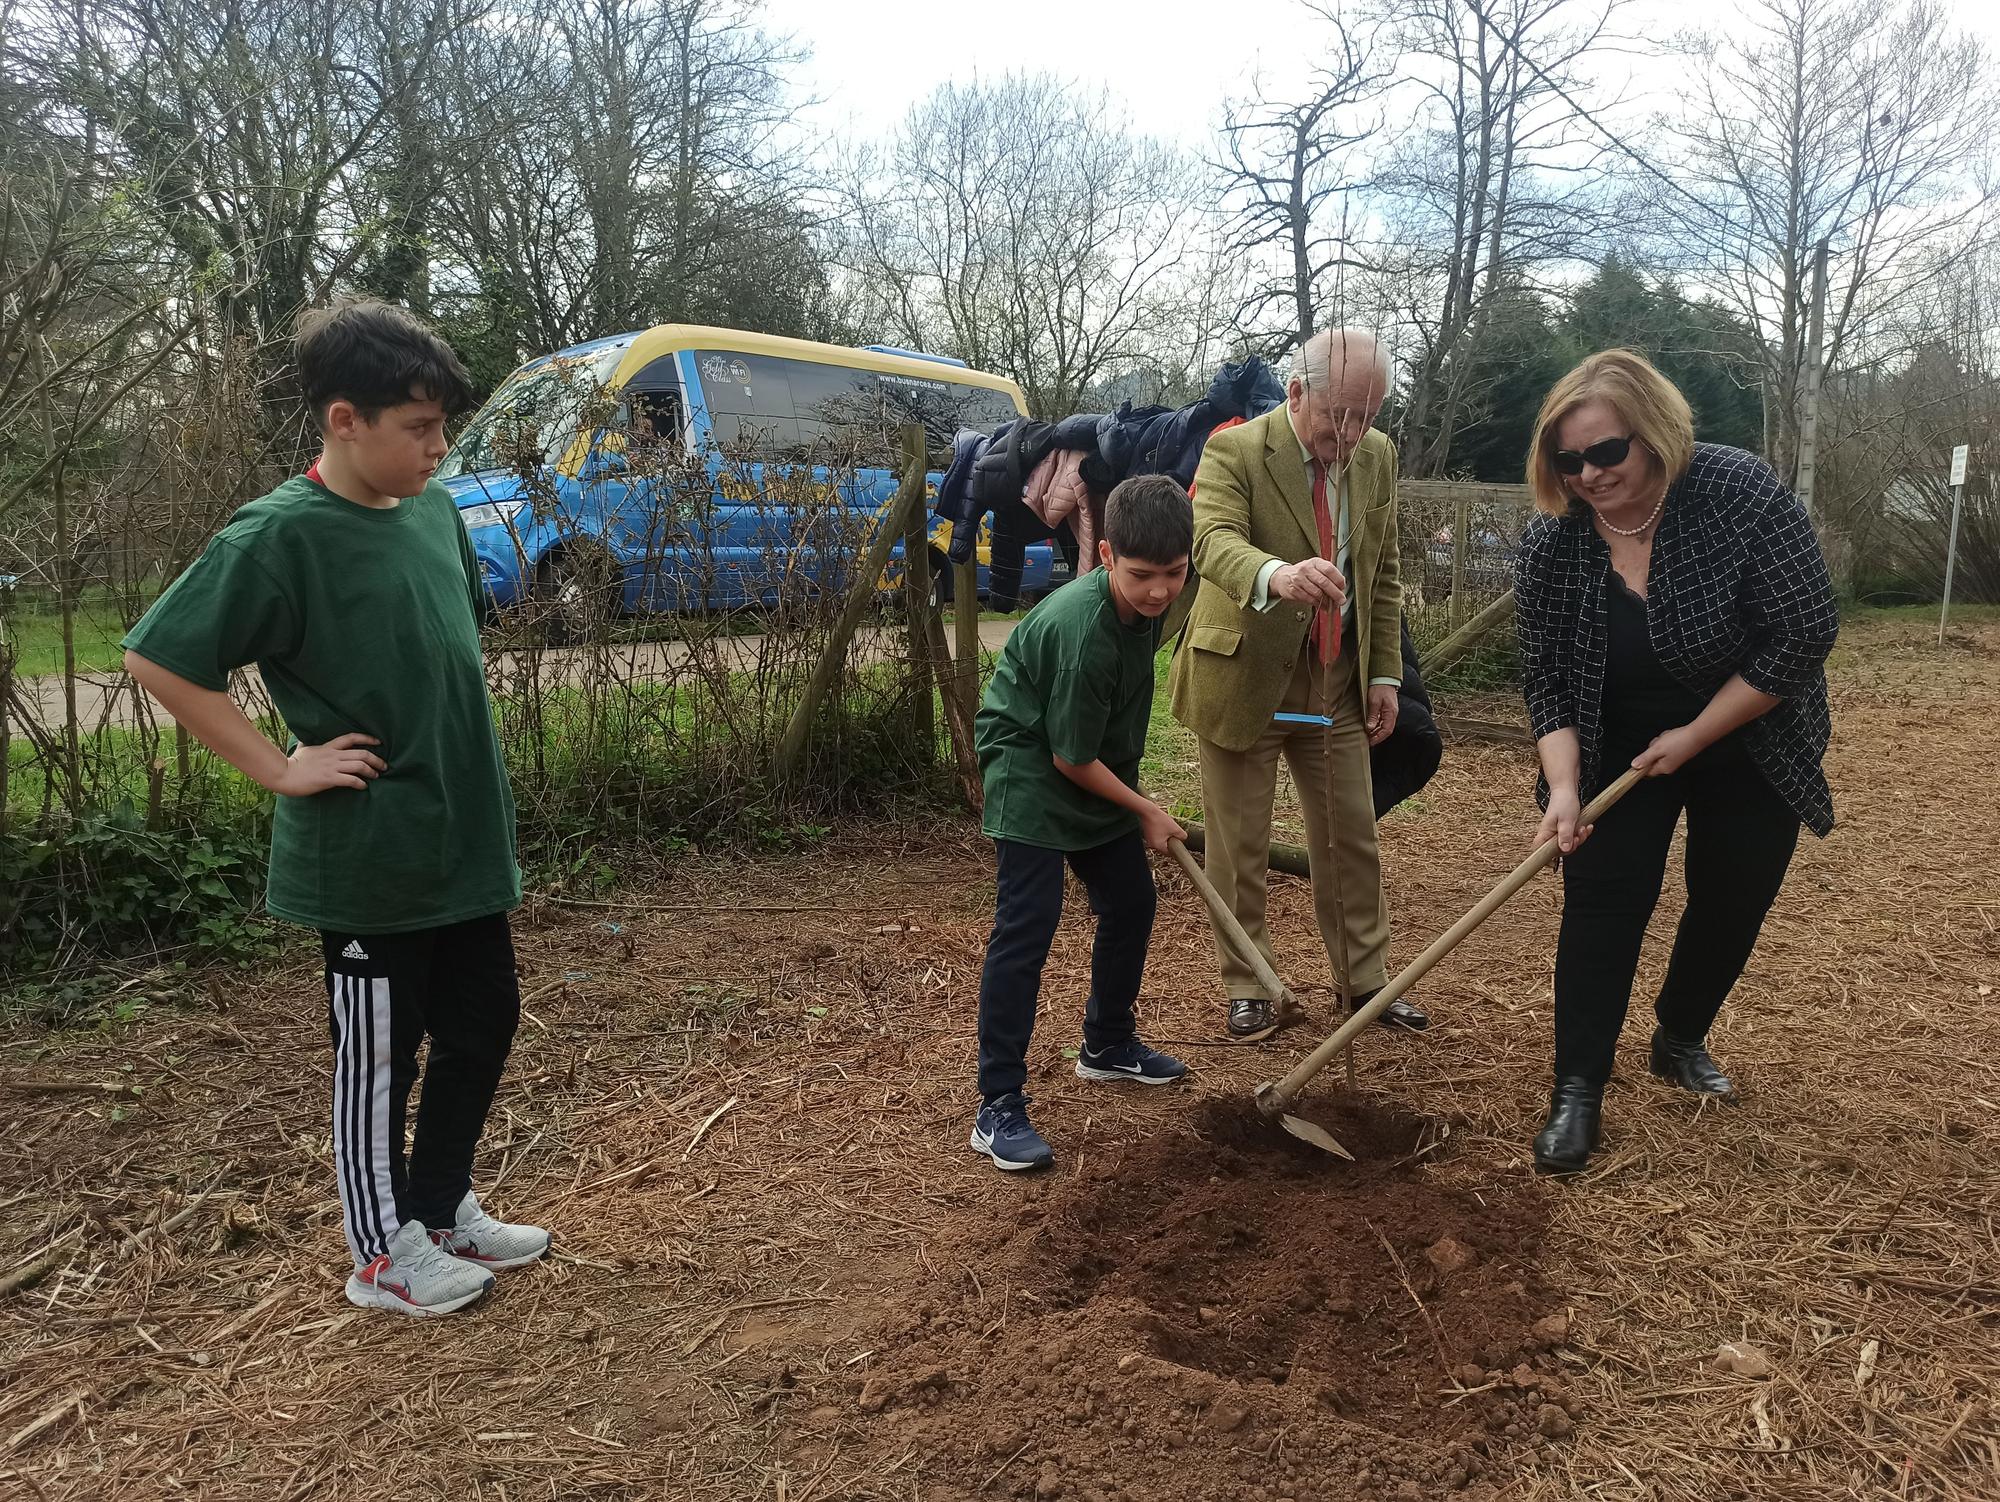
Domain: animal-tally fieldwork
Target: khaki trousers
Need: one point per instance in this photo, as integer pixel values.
(1237, 788)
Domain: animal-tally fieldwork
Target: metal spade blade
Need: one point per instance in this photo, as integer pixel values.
(1305, 1131)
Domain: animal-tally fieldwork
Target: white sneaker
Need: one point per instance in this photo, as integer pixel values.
(478, 1238)
(417, 1277)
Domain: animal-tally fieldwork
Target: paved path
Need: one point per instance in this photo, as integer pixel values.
(107, 699)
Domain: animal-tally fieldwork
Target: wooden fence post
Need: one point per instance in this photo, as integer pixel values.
(929, 650)
(965, 625)
(1466, 637)
(1461, 541)
(917, 603)
(861, 592)
(6, 722)
(957, 713)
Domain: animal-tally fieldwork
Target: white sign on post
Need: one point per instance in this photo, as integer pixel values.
(1958, 457)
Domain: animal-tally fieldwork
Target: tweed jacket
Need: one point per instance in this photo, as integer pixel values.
(1252, 503)
(1737, 584)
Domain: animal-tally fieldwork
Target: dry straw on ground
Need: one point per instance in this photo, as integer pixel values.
(746, 1122)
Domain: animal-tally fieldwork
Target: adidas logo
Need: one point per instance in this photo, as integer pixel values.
(354, 951)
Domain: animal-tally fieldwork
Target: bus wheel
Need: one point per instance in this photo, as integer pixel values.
(578, 592)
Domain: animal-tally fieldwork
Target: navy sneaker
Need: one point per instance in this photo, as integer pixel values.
(1003, 1132)
(1130, 1060)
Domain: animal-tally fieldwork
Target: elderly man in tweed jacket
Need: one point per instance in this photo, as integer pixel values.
(1297, 612)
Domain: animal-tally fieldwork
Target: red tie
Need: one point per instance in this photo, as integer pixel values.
(1326, 624)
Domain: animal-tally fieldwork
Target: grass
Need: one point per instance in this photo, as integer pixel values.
(115, 770)
(678, 755)
(33, 629)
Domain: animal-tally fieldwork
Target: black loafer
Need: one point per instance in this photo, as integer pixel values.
(1399, 1013)
(1569, 1136)
(1689, 1066)
(1252, 1018)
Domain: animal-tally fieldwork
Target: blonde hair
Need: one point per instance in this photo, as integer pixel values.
(1651, 405)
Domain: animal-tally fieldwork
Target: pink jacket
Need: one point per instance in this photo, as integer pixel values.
(1057, 493)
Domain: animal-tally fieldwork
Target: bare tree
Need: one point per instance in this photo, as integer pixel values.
(1291, 170)
(1491, 186)
(1834, 122)
(247, 123)
(623, 162)
(511, 233)
(1022, 228)
(118, 407)
(83, 317)
(1888, 426)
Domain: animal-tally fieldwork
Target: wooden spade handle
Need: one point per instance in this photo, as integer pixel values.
(1280, 1096)
(1226, 925)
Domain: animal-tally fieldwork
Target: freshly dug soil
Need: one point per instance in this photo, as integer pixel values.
(1222, 1311)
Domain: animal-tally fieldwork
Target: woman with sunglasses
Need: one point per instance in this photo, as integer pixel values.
(1675, 615)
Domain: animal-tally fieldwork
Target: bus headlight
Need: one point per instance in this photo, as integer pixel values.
(490, 514)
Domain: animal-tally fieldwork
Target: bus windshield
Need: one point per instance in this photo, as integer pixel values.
(534, 416)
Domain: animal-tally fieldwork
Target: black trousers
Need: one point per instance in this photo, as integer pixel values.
(385, 994)
(1015, 527)
(1028, 907)
(1740, 839)
(1400, 767)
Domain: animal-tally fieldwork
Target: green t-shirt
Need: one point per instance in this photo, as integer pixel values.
(1074, 681)
(359, 620)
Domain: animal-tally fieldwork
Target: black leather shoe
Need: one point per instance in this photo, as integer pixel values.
(1569, 1136)
(1399, 1012)
(1689, 1066)
(1252, 1018)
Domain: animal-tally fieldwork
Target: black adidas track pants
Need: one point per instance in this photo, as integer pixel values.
(385, 994)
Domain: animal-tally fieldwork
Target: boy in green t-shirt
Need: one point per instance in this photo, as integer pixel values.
(355, 591)
(1060, 735)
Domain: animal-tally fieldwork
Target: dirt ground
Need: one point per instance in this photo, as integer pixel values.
(741, 1096)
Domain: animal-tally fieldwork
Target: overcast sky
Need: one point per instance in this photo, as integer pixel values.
(1170, 63)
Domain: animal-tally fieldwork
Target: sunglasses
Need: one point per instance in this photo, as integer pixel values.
(1607, 453)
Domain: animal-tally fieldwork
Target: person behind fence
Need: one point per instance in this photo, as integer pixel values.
(1674, 614)
(1060, 734)
(355, 591)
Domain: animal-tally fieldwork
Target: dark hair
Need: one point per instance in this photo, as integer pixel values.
(1149, 517)
(375, 356)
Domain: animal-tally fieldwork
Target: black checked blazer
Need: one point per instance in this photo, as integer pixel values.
(1737, 585)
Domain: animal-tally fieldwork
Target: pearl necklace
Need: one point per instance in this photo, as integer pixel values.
(1658, 506)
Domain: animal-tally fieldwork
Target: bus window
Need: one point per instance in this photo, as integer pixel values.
(534, 416)
(943, 407)
(655, 416)
(654, 437)
(749, 401)
(747, 438)
(653, 402)
(802, 411)
(841, 418)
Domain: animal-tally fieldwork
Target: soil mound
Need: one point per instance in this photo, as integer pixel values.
(1222, 1311)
